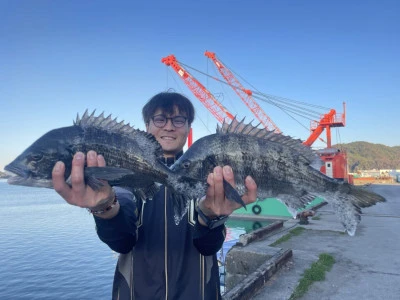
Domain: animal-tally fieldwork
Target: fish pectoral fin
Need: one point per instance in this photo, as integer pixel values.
(95, 175)
(232, 194)
(107, 173)
(94, 183)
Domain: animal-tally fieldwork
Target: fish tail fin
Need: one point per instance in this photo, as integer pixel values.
(363, 197)
(151, 190)
(348, 205)
(179, 187)
(348, 213)
(181, 204)
(144, 193)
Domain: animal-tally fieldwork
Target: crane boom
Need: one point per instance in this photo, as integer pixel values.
(212, 104)
(244, 94)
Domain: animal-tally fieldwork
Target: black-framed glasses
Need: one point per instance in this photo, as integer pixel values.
(161, 120)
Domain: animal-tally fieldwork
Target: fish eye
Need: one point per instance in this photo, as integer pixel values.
(36, 157)
(186, 164)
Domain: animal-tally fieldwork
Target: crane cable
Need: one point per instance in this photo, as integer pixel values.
(284, 104)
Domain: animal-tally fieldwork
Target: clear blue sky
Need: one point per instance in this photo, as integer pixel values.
(58, 58)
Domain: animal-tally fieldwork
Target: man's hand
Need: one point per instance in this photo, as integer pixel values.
(215, 204)
(79, 193)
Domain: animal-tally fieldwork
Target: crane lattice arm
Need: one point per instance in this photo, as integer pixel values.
(244, 94)
(212, 104)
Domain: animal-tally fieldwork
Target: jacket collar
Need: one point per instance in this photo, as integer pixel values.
(169, 161)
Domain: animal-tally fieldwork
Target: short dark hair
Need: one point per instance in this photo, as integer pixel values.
(167, 101)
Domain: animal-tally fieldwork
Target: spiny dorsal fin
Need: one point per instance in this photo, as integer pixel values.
(102, 122)
(239, 127)
(112, 125)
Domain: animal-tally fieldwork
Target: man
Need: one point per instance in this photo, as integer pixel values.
(159, 259)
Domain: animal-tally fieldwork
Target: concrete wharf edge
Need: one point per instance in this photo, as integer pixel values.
(366, 265)
(255, 281)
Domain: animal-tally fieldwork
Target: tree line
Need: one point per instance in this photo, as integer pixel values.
(368, 156)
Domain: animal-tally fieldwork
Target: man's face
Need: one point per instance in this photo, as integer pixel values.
(171, 138)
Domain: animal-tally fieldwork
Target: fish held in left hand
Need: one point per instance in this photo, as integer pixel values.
(281, 166)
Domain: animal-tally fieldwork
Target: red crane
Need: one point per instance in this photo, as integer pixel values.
(244, 94)
(201, 93)
(212, 104)
(331, 119)
(335, 161)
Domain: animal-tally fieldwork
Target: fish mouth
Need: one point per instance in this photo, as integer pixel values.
(23, 178)
(17, 171)
(29, 181)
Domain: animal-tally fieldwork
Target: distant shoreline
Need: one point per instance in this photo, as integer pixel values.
(3, 175)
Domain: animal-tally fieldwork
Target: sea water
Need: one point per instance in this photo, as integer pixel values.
(50, 250)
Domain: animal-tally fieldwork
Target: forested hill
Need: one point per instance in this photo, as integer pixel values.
(368, 156)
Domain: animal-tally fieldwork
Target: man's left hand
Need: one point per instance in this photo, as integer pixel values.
(215, 203)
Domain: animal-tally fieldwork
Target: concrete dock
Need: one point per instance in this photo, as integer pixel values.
(367, 265)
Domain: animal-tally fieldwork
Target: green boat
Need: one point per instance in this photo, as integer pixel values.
(271, 208)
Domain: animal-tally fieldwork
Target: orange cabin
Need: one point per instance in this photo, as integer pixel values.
(335, 163)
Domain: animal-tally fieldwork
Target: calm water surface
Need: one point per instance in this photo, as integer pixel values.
(50, 250)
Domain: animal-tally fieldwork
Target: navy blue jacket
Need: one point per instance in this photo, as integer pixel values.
(159, 259)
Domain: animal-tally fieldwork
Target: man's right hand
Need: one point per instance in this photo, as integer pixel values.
(79, 193)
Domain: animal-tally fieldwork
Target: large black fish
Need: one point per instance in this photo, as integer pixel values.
(282, 167)
(132, 157)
